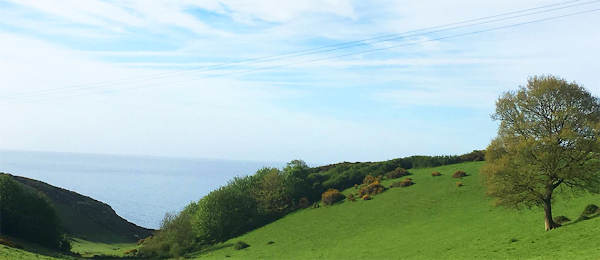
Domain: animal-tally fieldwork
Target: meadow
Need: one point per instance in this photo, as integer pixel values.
(433, 219)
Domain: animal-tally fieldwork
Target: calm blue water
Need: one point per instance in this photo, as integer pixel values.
(140, 189)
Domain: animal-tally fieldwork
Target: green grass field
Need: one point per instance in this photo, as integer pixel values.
(85, 248)
(433, 219)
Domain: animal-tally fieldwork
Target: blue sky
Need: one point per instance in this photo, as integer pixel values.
(430, 98)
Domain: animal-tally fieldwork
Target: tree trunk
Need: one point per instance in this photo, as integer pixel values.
(548, 215)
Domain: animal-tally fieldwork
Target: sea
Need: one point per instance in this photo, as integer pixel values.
(141, 189)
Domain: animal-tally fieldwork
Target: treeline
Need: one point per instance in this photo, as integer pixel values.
(28, 215)
(249, 202)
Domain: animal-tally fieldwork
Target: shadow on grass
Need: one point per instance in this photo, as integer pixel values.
(593, 216)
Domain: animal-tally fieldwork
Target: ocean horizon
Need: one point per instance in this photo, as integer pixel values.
(141, 189)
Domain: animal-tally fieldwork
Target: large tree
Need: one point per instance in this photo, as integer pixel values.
(547, 144)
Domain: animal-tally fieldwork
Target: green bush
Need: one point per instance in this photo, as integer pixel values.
(174, 238)
(459, 174)
(397, 173)
(239, 245)
(331, 196)
(28, 215)
(404, 183)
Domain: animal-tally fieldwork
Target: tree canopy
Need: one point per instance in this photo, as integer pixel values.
(547, 144)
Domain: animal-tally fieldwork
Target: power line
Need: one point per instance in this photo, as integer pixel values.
(258, 60)
(314, 60)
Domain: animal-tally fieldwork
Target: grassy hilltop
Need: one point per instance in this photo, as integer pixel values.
(433, 219)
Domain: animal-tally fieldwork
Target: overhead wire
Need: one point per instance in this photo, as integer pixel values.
(299, 54)
(314, 60)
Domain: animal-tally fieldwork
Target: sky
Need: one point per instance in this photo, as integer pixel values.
(190, 79)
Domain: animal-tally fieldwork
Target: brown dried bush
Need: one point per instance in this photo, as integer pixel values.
(351, 197)
(459, 174)
(459, 184)
(303, 203)
(436, 174)
(366, 197)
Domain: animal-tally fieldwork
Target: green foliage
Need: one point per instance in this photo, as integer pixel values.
(332, 196)
(272, 194)
(397, 173)
(404, 183)
(432, 220)
(226, 212)
(548, 138)
(239, 245)
(174, 239)
(28, 215)
(296, 176)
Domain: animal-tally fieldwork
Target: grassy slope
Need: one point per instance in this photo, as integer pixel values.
(433, 219)
(87, 249)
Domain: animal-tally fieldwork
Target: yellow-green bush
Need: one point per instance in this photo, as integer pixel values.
(331, 196)
(372, 189)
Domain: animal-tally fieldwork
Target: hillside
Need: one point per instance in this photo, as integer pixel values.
(433, 219)
(86, 218)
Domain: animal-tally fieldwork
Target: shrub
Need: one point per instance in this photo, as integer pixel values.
(379, 177)
(369, 179)
(9, 243)
(459, 184)
(355, 186)
(351, 197)
(561, 219)
(436, 174)
(589, 210)
(27, 214)
(130, 252)
(404, 183)
(331, 196)
(303, 203)
(239, 245)
(397, 173)
(366, 197)
(459, 174)
(315, 205)
(65, 244)
(372, 189)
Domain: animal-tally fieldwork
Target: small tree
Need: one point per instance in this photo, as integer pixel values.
(547, 143)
